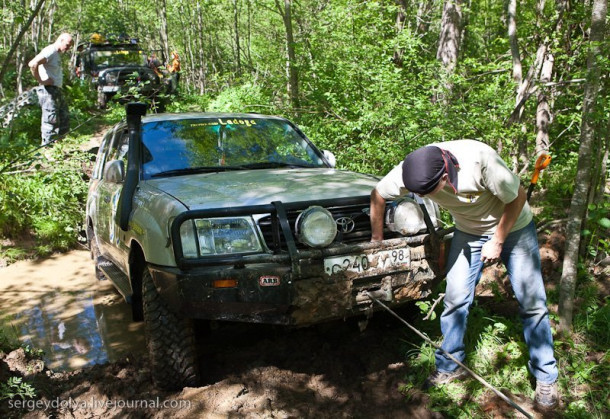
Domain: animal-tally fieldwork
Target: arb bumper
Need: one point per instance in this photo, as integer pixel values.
(327, 284)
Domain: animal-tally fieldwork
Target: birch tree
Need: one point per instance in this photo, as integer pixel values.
(449, 40)
(285, 12)
(17, 40)
(236, 36)
(578, 205)
(162, 11)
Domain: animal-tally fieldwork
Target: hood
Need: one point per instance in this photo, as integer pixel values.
(258, 187)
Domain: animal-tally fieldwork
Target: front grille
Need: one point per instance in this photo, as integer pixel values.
(134, 77)
(358, 213)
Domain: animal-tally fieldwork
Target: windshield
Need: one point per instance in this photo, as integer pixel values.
(114, 58)
(191, 145)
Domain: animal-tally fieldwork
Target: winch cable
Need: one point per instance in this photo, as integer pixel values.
(23, 156)
(472, 373)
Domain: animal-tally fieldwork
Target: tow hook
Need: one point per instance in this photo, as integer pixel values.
(383, 293)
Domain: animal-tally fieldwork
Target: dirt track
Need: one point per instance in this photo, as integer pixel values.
(332, 370)
(329, 371)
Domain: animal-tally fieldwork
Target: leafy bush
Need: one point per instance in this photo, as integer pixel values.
(48, 201)
(248, 97)
(43, 189)
(15, 387)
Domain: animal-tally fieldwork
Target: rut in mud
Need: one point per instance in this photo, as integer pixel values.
(96, 363)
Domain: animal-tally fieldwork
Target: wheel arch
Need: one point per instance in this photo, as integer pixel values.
(137, 263)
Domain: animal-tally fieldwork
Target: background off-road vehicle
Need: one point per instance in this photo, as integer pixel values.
(117, 66)
(239, 217)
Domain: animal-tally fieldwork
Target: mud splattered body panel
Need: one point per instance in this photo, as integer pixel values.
(276, 293)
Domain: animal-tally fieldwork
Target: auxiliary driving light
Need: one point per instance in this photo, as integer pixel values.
(316, 227)
(405, 217)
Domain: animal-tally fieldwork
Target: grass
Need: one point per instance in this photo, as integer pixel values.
(496, 351)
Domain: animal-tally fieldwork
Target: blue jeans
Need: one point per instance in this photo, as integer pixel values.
(521, 257)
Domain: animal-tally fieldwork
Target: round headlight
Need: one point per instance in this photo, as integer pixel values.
(316, 227)
(406, 217)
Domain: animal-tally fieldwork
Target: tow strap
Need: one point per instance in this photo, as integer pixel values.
(468, 370)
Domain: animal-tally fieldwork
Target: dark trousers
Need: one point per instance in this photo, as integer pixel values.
(55, 121)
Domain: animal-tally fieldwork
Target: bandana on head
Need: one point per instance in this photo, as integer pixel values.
(423, 169)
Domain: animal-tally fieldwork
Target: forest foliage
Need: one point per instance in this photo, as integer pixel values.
(361, 78)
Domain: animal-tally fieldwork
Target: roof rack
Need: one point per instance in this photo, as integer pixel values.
(97, 39)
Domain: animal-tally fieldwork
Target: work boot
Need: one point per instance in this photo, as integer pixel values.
(547, 397)
(438, 378)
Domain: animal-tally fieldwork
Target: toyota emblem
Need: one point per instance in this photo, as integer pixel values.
(345, 224)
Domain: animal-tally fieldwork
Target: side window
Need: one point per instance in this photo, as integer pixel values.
(101, 157)
(122, 146)
(120, 142)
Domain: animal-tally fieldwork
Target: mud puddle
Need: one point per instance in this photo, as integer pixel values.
(60, 308)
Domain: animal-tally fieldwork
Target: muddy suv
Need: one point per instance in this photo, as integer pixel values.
(117, 67)
(239, 217)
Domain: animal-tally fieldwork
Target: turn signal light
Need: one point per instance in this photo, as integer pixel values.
(224, 283)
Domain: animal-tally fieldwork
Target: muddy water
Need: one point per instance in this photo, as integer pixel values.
(57, 305)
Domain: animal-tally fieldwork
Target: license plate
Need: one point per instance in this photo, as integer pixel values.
(374, 263)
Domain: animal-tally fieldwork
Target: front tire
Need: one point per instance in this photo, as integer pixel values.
(170, 340)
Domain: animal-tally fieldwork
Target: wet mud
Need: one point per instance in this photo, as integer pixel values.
(95, 362)
(57, 306)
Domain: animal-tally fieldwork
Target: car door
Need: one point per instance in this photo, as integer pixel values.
(118, 247)
(107, 200)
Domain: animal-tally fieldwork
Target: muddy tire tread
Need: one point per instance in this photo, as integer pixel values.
(170, 341)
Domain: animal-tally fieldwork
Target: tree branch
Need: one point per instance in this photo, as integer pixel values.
(24, 28)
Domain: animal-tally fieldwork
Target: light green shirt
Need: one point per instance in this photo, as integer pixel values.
(485, 185)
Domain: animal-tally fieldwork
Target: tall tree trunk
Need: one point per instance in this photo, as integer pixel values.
(423, 10)
(401, 17)
(236, 30)
(291, 68)
(20, 60)
(524, 91)
(200, 54)
(543, 113)
(24, 28)
(449, 41)
(248, 51)
(163, 32)
(50, 15)
(187, 39)
(578, 206)
(514, 44)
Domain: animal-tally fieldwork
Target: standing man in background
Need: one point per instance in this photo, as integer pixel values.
(46, 69)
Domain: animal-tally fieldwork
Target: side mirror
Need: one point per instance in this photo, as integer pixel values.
(115, 171)
(330, 157)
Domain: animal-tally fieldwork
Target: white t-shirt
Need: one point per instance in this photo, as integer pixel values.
(485, 185)
(52, 68)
